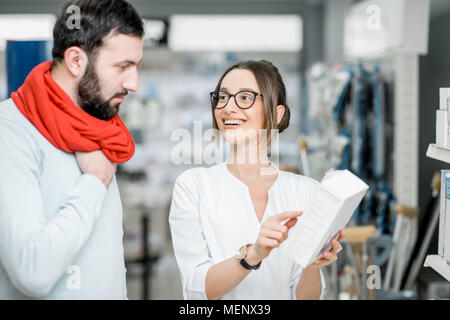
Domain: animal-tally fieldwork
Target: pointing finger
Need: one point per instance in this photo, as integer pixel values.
(288, 215)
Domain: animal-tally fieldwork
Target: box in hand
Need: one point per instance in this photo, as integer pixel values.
(328, 213)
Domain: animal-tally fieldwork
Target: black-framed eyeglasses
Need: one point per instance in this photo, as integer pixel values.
(243, 99)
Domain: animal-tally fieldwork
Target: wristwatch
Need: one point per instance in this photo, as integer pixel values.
(242, 254)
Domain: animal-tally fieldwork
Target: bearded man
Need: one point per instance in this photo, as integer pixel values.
(61, 139)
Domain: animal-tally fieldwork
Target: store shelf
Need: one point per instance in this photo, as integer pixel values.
(439, 265)
(436, 262)
(439, 153)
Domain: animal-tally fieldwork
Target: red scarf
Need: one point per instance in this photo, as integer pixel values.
(66, 126)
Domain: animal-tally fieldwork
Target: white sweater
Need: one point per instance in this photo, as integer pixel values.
(60, 230)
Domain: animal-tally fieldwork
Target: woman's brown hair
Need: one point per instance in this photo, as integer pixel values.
(272, 88)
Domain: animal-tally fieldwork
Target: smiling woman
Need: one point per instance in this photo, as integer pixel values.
(265, 78)
(230, 219)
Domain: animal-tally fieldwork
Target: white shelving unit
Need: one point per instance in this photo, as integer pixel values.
(439, 153)
(438, 263)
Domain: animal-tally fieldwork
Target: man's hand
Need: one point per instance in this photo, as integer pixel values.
(271, 235)
(97, 164)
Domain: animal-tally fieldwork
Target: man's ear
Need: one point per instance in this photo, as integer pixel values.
(76, 61)
(280, 113)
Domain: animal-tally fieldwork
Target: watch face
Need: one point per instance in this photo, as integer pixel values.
(241, 253)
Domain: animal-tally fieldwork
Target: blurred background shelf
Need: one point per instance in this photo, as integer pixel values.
(436, 262)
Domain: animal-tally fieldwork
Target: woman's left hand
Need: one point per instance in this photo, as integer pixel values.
(330, 256)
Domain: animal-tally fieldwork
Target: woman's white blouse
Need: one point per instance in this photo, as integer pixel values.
(212, 216)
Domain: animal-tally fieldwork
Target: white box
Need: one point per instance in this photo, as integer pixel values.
(444, 98)
(442, 128)
(328, 213)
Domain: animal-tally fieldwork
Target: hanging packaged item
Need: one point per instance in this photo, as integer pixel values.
(444, 219)
(351, 105)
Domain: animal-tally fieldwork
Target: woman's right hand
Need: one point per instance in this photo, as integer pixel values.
(271, 235)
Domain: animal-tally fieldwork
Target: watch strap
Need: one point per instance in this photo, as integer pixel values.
(249, 267)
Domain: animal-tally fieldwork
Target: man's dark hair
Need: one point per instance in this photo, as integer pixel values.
(96, 20)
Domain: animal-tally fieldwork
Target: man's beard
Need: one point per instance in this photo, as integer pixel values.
(89, 96)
